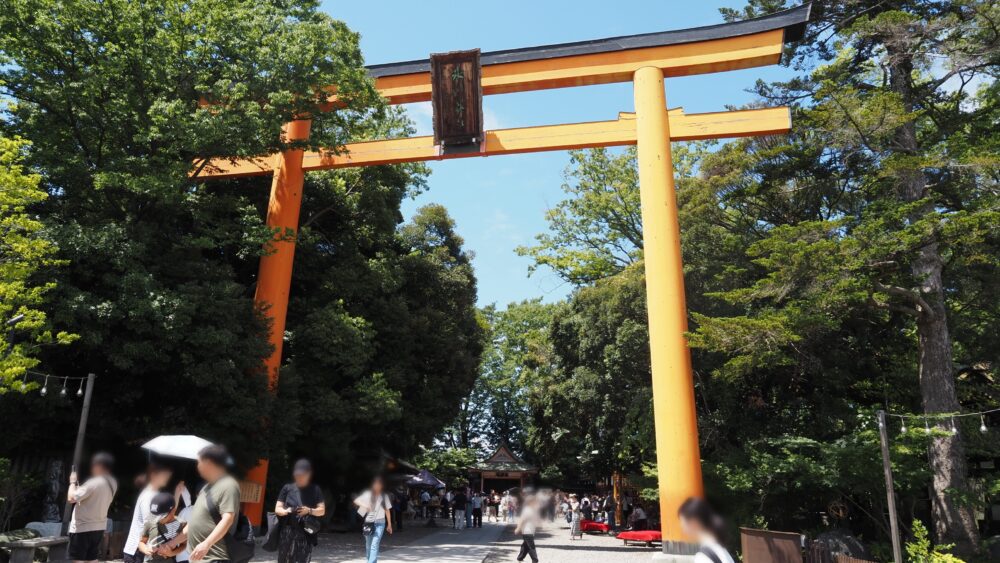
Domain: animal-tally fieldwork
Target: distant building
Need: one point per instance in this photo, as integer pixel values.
(501, 471)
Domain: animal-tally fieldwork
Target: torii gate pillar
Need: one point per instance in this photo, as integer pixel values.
(274, 277)
(677, 454)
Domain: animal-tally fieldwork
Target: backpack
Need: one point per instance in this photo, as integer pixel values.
(239, 539)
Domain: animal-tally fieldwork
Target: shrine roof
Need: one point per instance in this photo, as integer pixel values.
(504, 460)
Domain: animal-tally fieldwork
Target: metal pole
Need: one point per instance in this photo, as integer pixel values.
(78, 449)
(897, 551)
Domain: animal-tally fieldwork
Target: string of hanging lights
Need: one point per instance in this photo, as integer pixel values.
(936, 418)
(63, 390)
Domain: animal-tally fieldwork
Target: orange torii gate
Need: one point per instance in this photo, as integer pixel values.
(643, 59)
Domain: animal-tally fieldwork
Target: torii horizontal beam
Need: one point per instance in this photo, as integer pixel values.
(684, 52)
(618, 132)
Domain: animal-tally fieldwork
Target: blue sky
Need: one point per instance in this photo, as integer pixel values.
(499, 203)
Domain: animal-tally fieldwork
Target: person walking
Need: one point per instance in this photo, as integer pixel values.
(399, 508)
(504, 503)
(162, 538)
(700, 521)
(219, 498)
(157, 478)
(468, 507)
(511, 507)
(494, 506)
(477, 510)
(609, 511)
(527, 525)
(300, 506)
(575, 518)
(374, 506)
(425, 501)
(459, 501)
(90, 501)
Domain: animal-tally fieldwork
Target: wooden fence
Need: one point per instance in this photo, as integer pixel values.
(765, 546)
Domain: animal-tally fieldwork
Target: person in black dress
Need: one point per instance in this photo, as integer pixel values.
(299, 507)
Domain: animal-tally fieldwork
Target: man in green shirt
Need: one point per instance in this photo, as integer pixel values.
(203, 531)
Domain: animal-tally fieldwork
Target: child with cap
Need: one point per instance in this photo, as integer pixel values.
(162, 537)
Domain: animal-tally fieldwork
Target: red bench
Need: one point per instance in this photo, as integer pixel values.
(645, 537)
(594, 526)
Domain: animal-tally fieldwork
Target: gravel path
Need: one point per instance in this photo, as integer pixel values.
(415, 543)
(554, 546)
(493, 543)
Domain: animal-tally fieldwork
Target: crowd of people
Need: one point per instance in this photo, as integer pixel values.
(173, 524)
(466, 507)
(168, 526)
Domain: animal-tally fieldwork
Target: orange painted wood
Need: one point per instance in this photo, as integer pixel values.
(622, 131)
(731, 53)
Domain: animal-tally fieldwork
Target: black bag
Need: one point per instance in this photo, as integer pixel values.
(239, 540)
(273, 535)
(368, 528)
(310, 524)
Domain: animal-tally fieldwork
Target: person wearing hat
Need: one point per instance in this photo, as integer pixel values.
(300, 506)
(162, 534)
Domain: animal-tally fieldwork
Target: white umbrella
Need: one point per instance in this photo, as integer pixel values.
(186, 446)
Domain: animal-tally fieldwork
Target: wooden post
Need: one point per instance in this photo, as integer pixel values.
(890, 493)
(616, 481)
(274, 278)
(81, 433)
(677, 453)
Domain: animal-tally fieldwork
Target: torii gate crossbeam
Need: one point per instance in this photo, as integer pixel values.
(645, 59)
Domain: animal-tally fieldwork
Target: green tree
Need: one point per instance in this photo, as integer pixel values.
(112, 94)
(26, 258)
(450, 465)
(516, 358)
(597, 230)
(591, 411)
(903, 140)
(383, 334)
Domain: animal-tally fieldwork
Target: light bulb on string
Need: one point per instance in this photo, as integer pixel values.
(45, 386)
(982, 424)
(79, 392)
(927, 427)
(903, 429)
(954, 429)
(62, 392)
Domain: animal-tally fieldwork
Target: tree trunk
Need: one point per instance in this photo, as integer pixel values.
(954, 522)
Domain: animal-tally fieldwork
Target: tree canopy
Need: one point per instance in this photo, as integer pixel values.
(121, 102)
(846, 267)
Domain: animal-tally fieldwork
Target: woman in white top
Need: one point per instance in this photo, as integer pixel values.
(157, 478)
(700, 521)
(373, 505)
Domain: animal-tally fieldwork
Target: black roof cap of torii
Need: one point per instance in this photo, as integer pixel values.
(793, 21)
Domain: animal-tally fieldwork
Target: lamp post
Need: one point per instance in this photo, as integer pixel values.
(78, 449)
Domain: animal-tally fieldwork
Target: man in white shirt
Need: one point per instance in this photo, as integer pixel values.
(526, 526)
(425, 500)
(477, 510)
